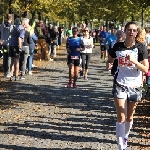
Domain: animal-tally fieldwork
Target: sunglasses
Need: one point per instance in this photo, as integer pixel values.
(74, 31)
(86, 30)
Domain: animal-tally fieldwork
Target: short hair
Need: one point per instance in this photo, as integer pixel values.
(119, 31)
(112, 27)
(129, 23)
(25, 20)
(75, 28)
(17, 21)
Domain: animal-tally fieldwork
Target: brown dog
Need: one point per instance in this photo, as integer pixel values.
(42, 52)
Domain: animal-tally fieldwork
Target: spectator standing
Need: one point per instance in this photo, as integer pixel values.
(14, 52)
(52, 40)
(59, 36)
(24, 41)
(33, 40)
(6, 36)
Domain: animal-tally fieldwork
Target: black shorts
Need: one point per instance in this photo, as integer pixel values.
(76, 62)
(14, 51)
(103, 48)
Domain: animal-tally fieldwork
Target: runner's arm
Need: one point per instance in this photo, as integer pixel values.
(67, 46)
(20, 42)
(92, 45)
(111, 58)
(142, 62)
(141, 66)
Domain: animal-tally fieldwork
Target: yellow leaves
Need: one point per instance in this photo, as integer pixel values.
(15, 6)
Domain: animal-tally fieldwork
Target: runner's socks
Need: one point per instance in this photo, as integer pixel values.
(120, 134)
(128, 126)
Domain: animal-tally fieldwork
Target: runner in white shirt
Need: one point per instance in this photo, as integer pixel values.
(132, 61)
(86, 53)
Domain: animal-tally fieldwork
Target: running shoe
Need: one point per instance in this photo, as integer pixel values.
(17, 78)
(74, 85)
(81, 73)
(125, 143)
(12, 78)
(69, 84)
(30, 72)
(22, 78)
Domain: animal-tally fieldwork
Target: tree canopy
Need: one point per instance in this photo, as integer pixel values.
(78, 10)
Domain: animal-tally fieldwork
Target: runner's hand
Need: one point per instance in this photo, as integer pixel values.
(68, 51)
(131, 58)
(109, 65)
(1, 41)
(78, 49)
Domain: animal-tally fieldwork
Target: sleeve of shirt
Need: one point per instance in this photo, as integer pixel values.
(100, 35)
(22, 34)
(143, 53)
(113, 51)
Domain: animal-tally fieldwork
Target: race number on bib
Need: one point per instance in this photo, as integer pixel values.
(74, 57)
(123, 61)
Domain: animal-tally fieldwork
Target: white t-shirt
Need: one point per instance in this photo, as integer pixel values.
(88, 45)
(127, 73)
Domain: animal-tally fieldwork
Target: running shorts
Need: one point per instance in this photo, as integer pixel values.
(103, 48)
(76, 62)
(130, 93)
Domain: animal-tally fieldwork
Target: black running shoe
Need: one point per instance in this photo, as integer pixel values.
(81, 73)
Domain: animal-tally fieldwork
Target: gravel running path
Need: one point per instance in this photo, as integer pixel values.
(40, 113)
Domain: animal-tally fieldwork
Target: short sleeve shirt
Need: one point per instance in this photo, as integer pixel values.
(104, 36)
(127, 73)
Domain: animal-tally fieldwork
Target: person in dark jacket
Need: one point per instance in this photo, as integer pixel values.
(52, 40)
(6, 28)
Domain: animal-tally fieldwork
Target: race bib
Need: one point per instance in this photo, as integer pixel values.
(74, 57)
(123, 61)
(87, 46)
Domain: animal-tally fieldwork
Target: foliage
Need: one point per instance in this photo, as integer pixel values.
(78, 10)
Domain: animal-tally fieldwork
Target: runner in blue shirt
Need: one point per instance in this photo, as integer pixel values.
(103, 36)
(73, 47)
(110, 38)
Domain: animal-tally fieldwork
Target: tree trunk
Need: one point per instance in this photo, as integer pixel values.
(142, 17)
